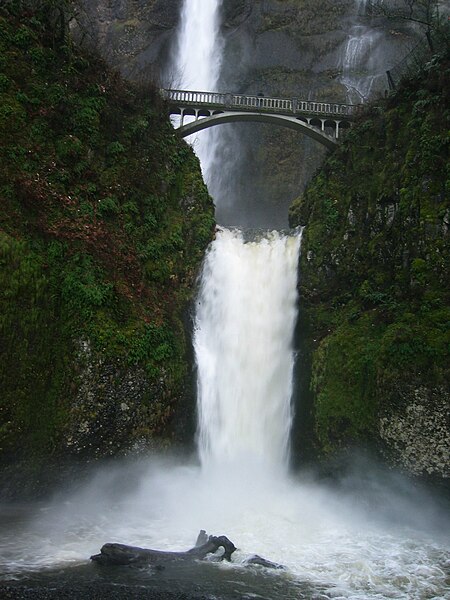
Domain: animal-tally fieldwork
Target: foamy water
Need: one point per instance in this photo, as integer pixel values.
(383, 544)
(196, 66)
(245, 319)
(375, 536)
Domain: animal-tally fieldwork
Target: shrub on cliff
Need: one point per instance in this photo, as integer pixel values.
(375, 272)
(103, 225)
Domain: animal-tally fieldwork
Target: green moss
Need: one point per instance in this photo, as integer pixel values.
(32, 354)
(104, 222)
(344, 372)
(375, 260)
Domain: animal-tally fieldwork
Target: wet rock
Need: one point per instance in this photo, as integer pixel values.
(289, 48)
(134, 35)
(416, 430)
(113, 400)
(92, 591)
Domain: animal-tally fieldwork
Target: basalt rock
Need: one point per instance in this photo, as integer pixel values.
(289, 49)
(374, 283)
(101, 239)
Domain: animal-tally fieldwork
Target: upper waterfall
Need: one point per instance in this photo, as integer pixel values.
(361, 59)
(197, 64)
(199, 45)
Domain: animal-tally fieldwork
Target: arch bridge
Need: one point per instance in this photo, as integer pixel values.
(321, 121)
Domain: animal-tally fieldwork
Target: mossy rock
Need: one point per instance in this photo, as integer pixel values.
(105, 219)
(375, 267)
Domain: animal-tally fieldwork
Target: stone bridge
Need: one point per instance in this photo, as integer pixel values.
(321, 121)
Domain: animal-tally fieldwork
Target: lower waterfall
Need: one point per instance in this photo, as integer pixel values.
(245, 319)
(364, 535)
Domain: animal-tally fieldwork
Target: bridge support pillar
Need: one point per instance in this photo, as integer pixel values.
(321, 121)
(337, 129)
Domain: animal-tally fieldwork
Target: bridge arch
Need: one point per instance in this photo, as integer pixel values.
(295, 123)
(321, 121)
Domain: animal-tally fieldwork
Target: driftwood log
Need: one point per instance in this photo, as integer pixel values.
(121, 554)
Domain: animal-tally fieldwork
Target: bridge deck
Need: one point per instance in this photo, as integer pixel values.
(227, 101)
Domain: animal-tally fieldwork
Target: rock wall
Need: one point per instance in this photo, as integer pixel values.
(415, 430)
(374, 282)
(295, 49)
(104, 223)
(105, 220)
(133, 36)
(286, 48)
(363, 265)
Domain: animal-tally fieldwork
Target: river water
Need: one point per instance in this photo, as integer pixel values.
(374, 536)
(368, 535)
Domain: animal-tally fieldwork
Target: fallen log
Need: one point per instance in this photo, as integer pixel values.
(121, 554)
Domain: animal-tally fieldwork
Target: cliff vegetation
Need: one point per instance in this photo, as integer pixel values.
(374, 279)
(104, 221)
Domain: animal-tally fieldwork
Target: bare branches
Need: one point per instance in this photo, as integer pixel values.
(422, 12)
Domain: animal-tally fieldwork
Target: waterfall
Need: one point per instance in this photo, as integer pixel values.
(359, 58)
(247, 305)
(361, 6)
(199, 45)
(372, 536)
(197, 63)
(243, 342)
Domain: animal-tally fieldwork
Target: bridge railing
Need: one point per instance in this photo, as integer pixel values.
(260, 103)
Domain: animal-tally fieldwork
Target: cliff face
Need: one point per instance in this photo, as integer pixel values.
(103, 224)
(374, 281)
(327, 50)
(323, 49)
(134, 36)
(105, 219)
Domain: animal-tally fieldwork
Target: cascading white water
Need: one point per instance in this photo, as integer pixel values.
(246, 311)
(361, 6)
(359, 58)
(358, 49)
(243, 342)
(197, 63)
(199, 47)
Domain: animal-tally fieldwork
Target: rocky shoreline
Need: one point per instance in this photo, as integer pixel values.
(89, 592)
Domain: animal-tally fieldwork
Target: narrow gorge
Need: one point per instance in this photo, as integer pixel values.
(264, 358)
